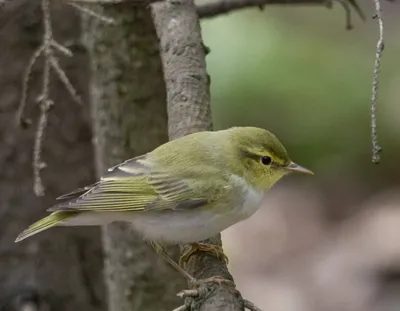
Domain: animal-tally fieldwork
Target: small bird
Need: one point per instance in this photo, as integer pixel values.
(184, 191)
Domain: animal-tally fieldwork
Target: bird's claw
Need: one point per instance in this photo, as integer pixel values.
(219, 280)
(203, 286)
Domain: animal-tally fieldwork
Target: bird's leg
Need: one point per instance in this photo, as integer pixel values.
(161, 251)
(203, 285)
(217, 251)
(199, 283)
(192, 248)
(172, 262)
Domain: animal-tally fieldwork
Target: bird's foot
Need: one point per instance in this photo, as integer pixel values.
(216, 250)
(216, 279)
(204, 286)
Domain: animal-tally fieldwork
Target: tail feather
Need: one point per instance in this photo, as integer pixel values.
(45, 223)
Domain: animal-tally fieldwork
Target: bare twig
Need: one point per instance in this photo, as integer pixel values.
(347, 12)
(44, 101)
(356, 7)
(250, 306)
(188, 293)
(46, 50)
(64, 79)
(38, 164)
(212, 9)
(25, 83)
(219, 7)
(61, 48)
(182, 308)
(376, 149)
(208, 10)
(94, 14)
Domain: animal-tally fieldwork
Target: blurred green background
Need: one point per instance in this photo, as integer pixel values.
(297, 71)
(327, 242)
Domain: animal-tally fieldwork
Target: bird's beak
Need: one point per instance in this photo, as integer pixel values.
(293, 167)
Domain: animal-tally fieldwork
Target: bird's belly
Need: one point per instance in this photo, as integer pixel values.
(193, 225)
(180, 226)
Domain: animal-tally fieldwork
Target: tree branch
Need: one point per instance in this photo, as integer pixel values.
(188, 98)
(208, 10)
(129, 118)
(212, 9)
(376, 149)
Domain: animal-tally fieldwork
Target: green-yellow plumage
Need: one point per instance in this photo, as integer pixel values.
(186, 190)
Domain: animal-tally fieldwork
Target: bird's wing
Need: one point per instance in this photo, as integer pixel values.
(135, 185)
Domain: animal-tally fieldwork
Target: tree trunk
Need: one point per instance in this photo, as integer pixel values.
(129, 119)
(59, 268)
(188, 86)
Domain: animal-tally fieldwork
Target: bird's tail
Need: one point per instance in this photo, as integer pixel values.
(46, 223)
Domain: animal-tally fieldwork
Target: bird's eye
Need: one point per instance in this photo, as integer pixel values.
(266, 160)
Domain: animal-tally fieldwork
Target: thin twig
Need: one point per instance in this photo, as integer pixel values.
(46, 50)
(90, 12)
(182, 308)
(250, 306)
(376, 149)
(357, 8)
(43, 100)
(25, 84)
(347, 12)
(188, 293)
(64, 79)
(66, 51)
(208, 10)
(212, 9)
(38, 164)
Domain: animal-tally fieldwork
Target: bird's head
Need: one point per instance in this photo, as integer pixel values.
(260, 157)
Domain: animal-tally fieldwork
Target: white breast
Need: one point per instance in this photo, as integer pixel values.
(252, 198)
(196, 225)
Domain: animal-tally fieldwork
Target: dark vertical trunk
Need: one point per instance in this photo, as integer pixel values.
(61, 267)
(129, 119)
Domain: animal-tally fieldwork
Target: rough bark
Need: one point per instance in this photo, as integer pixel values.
(188, 98)
(129, 119)
(58, 268)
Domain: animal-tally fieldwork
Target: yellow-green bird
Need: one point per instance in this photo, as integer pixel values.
(184, 191)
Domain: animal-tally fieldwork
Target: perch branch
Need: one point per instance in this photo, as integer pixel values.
(376, 149)
(188, 101)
